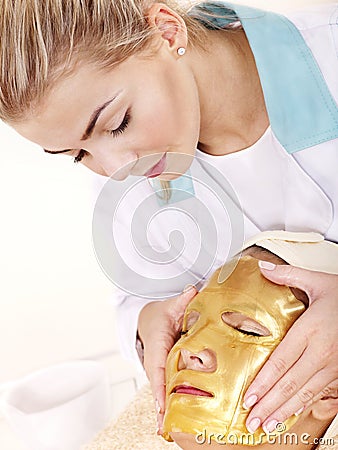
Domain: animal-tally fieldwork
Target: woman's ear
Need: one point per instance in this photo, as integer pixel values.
(169, 24)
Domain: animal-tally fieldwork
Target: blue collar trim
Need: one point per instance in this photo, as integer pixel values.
(301, 109)
(180, 189)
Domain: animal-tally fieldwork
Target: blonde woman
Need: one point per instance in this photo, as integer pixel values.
(133, 87)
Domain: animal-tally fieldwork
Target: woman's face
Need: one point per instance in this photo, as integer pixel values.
(127, 118)
(230, 329)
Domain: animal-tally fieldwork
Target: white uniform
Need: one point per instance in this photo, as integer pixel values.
(287, 180)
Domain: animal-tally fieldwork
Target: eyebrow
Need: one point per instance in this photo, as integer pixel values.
(56, 152)
(90, 127)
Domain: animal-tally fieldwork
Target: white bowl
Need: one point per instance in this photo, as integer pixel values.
(61, 407)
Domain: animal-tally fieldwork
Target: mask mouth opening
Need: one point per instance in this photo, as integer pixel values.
(190, 390)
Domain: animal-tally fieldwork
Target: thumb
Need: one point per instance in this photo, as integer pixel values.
(183, 300)
(179, 305)
(306, 280)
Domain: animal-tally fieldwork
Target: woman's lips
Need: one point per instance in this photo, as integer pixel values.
(158, 168)
(190, 390)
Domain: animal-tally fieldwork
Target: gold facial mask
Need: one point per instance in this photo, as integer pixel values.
(232, 358)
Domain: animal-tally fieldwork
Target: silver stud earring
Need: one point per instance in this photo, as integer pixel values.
(181, 51)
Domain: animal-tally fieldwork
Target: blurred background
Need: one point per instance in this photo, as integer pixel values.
(55, 303)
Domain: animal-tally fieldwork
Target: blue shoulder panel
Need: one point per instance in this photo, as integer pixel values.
(180, 189)
(301, 109)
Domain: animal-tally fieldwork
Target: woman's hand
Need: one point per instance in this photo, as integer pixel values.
(303, 365)
(159, 327)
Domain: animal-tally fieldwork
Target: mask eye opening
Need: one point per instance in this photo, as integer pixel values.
(244, 324)
(189, 321)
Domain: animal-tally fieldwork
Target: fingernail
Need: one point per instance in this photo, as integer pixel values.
(270, 426)
(253, 425)
(297, 413)
(266, 265)
(250, 401)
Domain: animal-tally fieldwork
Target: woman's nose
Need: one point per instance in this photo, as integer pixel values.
(115, 165)
(203, 361)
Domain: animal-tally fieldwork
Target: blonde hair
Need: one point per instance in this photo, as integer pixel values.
(41, 41)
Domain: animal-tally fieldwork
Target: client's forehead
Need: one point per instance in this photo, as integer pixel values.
(248, 292)
(244, 284)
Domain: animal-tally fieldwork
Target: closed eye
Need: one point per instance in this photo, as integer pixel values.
(244, 324)
(120, 129)
(82, 153)
(189, 321)
(123, 125)
(250, 333)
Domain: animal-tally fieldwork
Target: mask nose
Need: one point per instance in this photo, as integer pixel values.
(203, 361)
